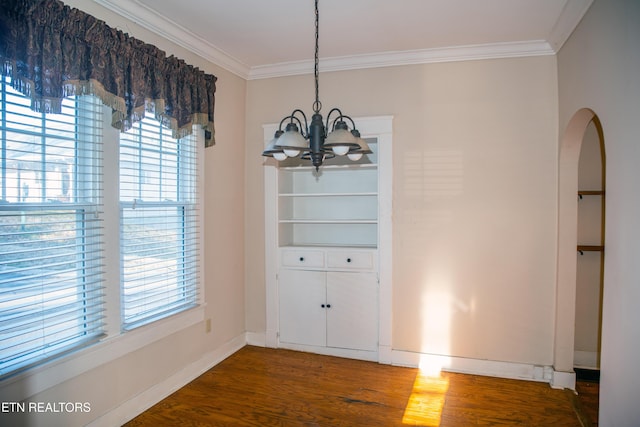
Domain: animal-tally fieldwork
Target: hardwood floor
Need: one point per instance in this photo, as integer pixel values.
(267, 387)
(588, 394)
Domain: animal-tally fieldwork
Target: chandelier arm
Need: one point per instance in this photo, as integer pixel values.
(350, 119)
(304, 130)
(340, 115)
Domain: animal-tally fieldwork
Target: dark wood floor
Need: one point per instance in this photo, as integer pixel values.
(267, 387)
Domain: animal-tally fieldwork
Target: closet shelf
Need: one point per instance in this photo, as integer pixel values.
(590, 192)
(590, 248)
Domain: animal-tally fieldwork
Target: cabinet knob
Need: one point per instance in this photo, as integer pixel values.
(301, 259)
(348, 259)
(322, 305)
(328, 305)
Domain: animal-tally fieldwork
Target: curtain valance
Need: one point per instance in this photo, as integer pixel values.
(51, 51)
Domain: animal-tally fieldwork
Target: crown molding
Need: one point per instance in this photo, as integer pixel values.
(166, 28)
(570, 17)
(147, 18)
(410, 57)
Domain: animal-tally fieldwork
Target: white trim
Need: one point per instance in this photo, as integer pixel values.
(585, 359)
(165, 27)
(569, 18)
(369, 356)
(407, 57)
(492, 368)
(143, 401)
(258, 339)
(564, 380)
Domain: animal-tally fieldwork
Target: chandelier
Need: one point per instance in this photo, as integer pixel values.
(311, 141)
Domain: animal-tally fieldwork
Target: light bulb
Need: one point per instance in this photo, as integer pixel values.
(340, 150)
(354, 156)
(279, 156)
(291, 152)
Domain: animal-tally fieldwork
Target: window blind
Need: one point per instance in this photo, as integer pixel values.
(158, 223)
(51, 243)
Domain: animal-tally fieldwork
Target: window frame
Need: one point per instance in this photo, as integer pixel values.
(185, 198)
(73, 292)
(115, 343)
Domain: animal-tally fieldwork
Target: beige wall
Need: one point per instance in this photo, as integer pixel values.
(474, 199)
(115, 382)
(599, 68)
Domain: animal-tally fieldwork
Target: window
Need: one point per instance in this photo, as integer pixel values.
(51, 245)
(158, 223)
(67, 277)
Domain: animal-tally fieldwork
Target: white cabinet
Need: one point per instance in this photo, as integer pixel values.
(329, 309)
(303, 298)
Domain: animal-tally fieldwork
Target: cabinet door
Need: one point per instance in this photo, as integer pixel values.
(352, 319)
(302, 295)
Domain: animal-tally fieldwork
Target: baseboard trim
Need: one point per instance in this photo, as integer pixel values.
(586, 359)
(435, 363)
(564, 380)
(143, 401)
(258, 339)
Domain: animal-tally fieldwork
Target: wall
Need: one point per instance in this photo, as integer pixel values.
(598, 68)
(129, 380)
(474, 199)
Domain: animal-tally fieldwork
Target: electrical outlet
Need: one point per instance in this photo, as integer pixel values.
(208, 326)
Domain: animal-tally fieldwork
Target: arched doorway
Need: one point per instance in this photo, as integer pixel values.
(584, 124)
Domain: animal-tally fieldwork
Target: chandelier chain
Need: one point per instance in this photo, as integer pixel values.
(317, 105)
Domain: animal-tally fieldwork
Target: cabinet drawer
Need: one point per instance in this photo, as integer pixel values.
(350, 259)
(296, 258)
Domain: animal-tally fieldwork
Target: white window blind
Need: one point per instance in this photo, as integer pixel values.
(51, 247)
(158, 223)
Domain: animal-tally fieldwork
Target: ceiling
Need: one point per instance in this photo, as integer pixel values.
(260, 38)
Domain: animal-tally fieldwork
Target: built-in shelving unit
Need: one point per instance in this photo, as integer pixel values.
(328, 288)
(337, 206)
(600, 206)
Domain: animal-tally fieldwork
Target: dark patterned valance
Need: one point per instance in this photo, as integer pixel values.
(51, 51)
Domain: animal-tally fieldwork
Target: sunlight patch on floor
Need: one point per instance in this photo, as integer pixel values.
(425, 404)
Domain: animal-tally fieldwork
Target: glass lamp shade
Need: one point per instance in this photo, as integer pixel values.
(340, 140)
(363, 147)
(291, 142)
(271, 150)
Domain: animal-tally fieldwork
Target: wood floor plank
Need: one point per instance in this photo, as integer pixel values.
(267, 387)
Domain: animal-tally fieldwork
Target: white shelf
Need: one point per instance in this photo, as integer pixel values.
(329, 167)
(328, 221)
(369, 194)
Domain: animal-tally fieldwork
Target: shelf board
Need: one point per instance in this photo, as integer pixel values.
(328, 167)
(328, 221)
(325, 245)
(590, 192)
(327, 194)
(590, 248)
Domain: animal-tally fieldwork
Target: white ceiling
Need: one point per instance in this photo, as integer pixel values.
(265, 38)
